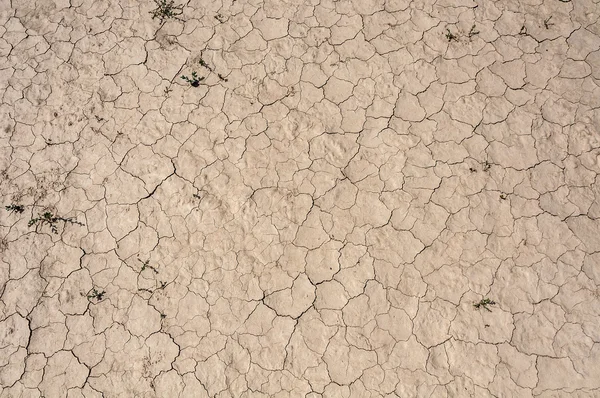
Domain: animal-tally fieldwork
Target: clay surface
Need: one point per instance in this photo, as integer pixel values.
(349, 198)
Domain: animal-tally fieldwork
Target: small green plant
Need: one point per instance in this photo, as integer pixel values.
(166, 10)
(211, 69)
(220, 18)
(473, 31)
(15, 208)
(451, 36)
(547, 22)
(194, 81)
(484, 303)
(52, 221)
(503, 196)
(205, 65)
(95, 294)
(486, 166)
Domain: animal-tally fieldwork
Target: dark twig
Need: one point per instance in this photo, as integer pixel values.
(451, 36)
(484, 303)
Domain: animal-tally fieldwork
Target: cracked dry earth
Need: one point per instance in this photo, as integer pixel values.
(317, 221)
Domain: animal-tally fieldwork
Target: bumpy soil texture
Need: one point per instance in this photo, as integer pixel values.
(343, 198)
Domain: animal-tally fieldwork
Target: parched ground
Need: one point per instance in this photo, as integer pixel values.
(361, 198)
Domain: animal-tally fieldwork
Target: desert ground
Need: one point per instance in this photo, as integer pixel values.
(299, 198)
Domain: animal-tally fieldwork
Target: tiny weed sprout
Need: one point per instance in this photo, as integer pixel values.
(547, 22)
(503, 196)
(166, 10)
(52, 221)
(473, 31)
(211, 69)
(194, 81)
(484, 303)
(204, 64)
(451, 36)
(15, 208)
(95, 294)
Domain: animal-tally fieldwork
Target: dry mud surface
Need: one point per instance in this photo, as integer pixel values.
(318, 217)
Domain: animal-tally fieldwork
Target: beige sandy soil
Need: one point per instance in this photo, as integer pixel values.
(319, 217)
